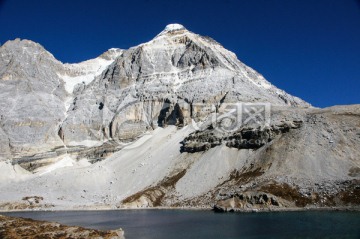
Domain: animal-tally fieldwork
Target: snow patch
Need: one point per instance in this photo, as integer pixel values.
(139, 142)
(86, 143)
(9, 172)
(84, 72)
(174, 27)
(171, 28)
(66, 161)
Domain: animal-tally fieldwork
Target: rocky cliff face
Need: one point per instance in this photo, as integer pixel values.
(36, 91)
(156, 84)
(31, 98)
(176, 121)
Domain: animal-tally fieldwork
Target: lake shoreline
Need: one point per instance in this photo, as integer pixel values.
(235, 210)
(205, 224)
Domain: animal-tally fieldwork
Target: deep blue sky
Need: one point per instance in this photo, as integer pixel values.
(309, 48)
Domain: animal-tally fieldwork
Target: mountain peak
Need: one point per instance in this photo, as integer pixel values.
(16, 43)
(174, 27)
(171, 28)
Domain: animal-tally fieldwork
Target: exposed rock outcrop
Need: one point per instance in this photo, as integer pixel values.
(13, 228)
(249, 201)
(245, 138)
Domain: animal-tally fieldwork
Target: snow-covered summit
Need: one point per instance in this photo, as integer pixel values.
(170, 28)
(174, 27)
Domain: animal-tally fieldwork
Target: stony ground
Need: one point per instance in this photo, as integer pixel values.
(309, 160)
(17, 228)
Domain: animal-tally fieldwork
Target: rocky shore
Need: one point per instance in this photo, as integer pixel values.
(14, 228)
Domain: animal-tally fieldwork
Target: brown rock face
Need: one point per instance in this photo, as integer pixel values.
(14, 228)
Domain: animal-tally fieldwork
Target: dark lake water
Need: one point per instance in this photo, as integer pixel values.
(176, 224)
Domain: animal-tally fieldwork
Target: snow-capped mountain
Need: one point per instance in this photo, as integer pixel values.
(120, 130)
(87, 103)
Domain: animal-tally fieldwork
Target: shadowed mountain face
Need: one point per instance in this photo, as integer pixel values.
(178, 120)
